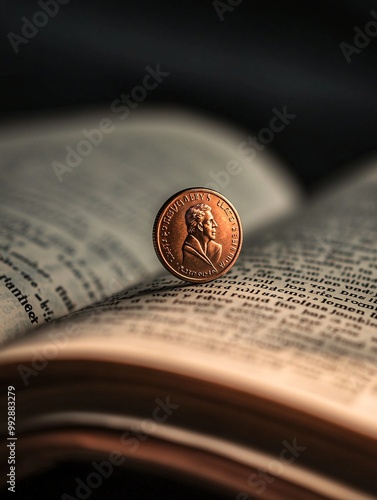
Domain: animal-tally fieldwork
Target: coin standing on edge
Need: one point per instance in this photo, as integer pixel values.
(197, 235)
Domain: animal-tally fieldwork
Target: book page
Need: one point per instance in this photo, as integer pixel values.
(295, 319)
(78, 198)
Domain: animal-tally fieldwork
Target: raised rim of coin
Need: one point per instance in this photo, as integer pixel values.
(165, 250)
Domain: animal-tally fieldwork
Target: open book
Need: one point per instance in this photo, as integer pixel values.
(262, 383)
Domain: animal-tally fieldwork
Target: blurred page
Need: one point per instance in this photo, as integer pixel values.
(78, 198)
(295, 320)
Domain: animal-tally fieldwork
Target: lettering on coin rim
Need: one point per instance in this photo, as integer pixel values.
(171, 206)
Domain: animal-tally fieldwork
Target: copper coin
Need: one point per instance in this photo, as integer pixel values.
(197, 235)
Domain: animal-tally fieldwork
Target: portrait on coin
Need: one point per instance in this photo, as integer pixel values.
(199, 248)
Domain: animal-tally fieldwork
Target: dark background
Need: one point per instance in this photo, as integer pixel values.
(263, 55)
